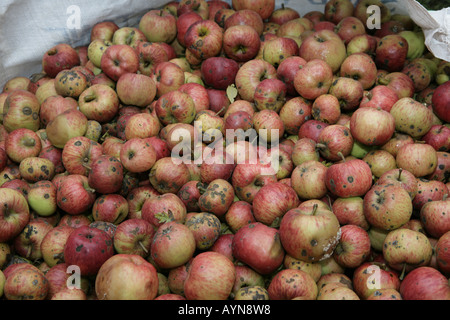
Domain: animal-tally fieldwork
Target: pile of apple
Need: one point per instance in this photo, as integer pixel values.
(94, 205)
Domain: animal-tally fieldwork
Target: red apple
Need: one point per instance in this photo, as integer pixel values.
(139, 275)
(425, 283)
(60, 57)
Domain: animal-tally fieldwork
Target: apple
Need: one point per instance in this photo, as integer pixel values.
(439, 137)
(79, 153)
(21, 144)
(326, 108)
(204, 39)
(425, 283)
(15, 216)
(21, 110)
(372, 277)
(308, 180)
(218, 101)
(387, 206)
(405, 250)
(28, 243)
(258, 246)
(52, 106)
(272, 201)
(246, 277)
(325, 45)
(58, 58)
(136, 89)
(241, 43)
(166, 178)
(74, 196)
(380, 161)
(379, 96)
(130, 36)
(270, 94)
(168, 77)
(348, 91)
(137, 155)
(440, 101)
(336, 10)
(428, 191)
(250, 75)
(334, 142)
(26, 282)
(173, 245)
(142, 125)
(219, 72)
(206, 228)
(286, 71)
(442, 255)
(391, 51)
(42, 198)
(321, 239)
(313, 79)
(211, 276)
(349, 27)
(416, 122)
(70, 294)
(291, 284)
(199, 6)
(350, 211)
(136, 198)
(133, 236)
(350, 178)
(119, 59)
(245, 17)
(150, 55)
(71, 83)
(126, 277)
(268, 125)
(294, 113)
(88, 248)
(164, 208)
(360, 66)
(103, 30)
(238, 215)
(217, 198)
(399, 82)
(158, 26)
(418, 158)
(67, 125)
(215, 5)
(366, 129)
(53, 243)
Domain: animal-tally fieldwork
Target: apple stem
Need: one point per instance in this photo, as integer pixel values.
(28, 253)
(89, 98)
(400, 170)
(341, 155)
(402, 275)
(143, 248)
(320, 146)
(383, 81)
(220, 111)
(315, 207)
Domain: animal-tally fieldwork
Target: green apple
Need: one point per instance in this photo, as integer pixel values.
(42, 198)
(359, 149)
(416, 43)
(377, 236)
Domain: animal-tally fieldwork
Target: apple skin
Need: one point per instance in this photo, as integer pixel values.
(119, 59)
(425, 283)
(52, 245)
(419, 159)
(387, 206)
(321, 239)
(440, 101)
(15, 216)
(442, 254)
(368, 273)
(219, 72)
(26, 282)
(79, 153)
(21, 110)
(88, 248)
(239, 214)
(291, 283)
(259, 247)
(391, 52)
(352, 178)
(250, 75)
(60, 57)
(439, 137)
(106, 174)
(67, 125)
(173, 245)
(74, 196)
(308, 180)
(325, 45)
(28, 243)
(334, 142)
(353, 247)
(21, 144)
(241, 43)
(137, 274)
(204, 45)
(406, 249)
(158, 26)
(432, 216)
(313, 79)
(211, 276)
(272, 201)
(208, 201)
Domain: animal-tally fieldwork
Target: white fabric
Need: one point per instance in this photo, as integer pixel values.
(28, 28)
